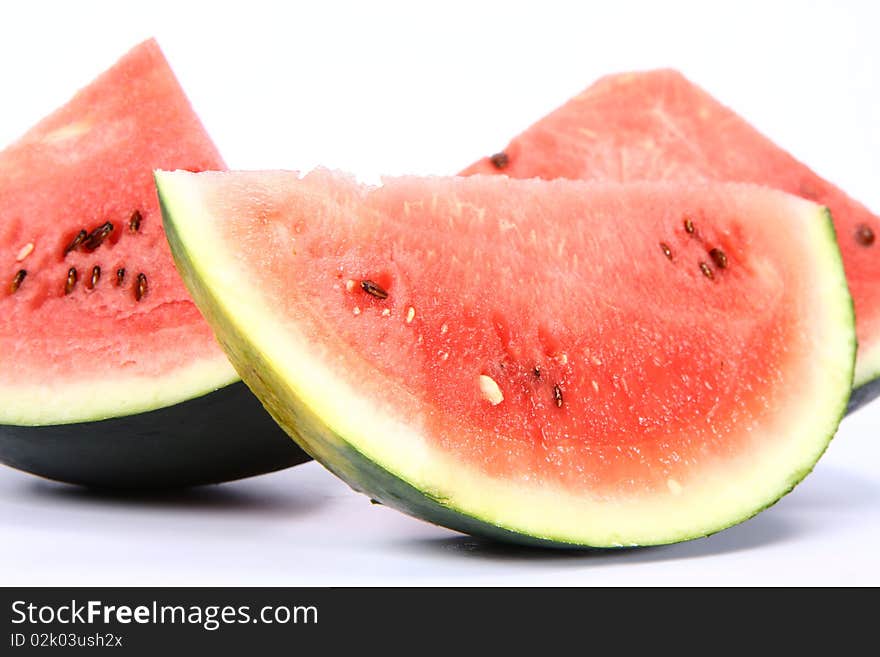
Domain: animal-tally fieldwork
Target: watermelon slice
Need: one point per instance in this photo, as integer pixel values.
(657, 125)
(109, 376)
(549, 362)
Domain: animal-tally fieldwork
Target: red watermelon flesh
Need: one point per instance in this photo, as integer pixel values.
(80, 337)
(592, 363)
(657, 125)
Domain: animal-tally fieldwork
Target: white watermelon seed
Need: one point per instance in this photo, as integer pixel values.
(490, 391)
(24, 251)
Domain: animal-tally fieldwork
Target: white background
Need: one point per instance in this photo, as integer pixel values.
(427, 88)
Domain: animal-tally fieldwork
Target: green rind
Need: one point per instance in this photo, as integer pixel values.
(862, 395)
(219, 436)
(365, 475)
(866, 386)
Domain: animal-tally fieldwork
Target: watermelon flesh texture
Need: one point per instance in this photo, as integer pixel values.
(536, 361)
(107, 328)
(91, 163)
(657, 125)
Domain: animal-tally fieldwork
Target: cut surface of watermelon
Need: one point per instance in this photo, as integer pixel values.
(95, 322)
(556, 361)
(657, 125)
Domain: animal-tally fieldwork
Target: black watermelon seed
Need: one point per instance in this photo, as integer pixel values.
(500, 160)
(557, 395)
(707, 271)
(688, 226)
(120, 276)
(719, 258)
(75, 242)
(17, 280)
(71, 280)
(97, 236)
(140, 290)
(537, 371)
(96, 276)
(134, 224)
(666, 250)
(374, 290)
(864, 235)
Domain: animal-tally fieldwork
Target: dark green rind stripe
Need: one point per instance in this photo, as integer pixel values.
(860, 396)
(867, 392)
(367, 476)
(221, 436)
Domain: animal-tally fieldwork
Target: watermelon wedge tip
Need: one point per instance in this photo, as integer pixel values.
(109, 376)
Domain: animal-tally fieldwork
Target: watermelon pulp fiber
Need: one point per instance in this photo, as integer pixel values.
(563, 362)
(101, 326)
(657, 125)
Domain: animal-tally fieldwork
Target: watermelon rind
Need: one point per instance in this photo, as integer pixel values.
(386, 459)
(149, 410)
(221, 435)
(866, 383)
(864, 394)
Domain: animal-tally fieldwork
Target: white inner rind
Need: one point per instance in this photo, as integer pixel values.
(88, 400)
(719, 497)
(867, 364)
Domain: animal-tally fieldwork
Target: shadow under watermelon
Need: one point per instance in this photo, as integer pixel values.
(222, 499)
(831, 496)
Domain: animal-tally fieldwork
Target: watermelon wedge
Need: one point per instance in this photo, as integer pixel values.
(657, 125)
(558, 363)
(109, 376)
